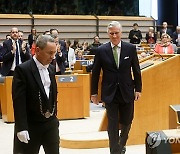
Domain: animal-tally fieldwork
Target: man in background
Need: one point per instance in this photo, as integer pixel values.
(15, 53)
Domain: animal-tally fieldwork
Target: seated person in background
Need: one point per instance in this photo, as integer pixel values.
(135, 35)
(75, 45)
(165, 47)
(15, 53)
(151, 36)
(176, 36)
(165, 30)
(70, 56)
(85, 48)
(79, 55)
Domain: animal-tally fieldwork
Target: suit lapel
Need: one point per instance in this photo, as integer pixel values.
(53, 82)
(37, 77)
(122, 54)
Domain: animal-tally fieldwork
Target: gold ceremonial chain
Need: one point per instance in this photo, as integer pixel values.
(47, 114)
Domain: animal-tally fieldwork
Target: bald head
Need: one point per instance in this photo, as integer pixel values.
(14, 33)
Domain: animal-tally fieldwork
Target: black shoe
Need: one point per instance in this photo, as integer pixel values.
(123, 150)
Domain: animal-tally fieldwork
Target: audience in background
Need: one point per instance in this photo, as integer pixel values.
(165, 30)
(79, 55)
(135, 35)
(75, 44)
(151, 36)
(165, 47)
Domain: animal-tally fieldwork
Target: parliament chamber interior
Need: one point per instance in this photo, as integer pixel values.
(81, 27)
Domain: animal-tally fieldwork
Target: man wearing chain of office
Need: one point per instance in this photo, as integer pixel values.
(34, 93)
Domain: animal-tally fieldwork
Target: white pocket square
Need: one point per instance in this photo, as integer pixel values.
(126, 57)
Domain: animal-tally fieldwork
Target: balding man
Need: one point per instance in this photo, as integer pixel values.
(176, 36)
(34, 93)
(14, 54)
(165, 30)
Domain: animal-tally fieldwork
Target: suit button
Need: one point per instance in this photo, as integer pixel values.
(118, 83)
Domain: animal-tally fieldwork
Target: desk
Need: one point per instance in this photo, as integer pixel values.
(6, 99)
(161, 86)
(73, 98)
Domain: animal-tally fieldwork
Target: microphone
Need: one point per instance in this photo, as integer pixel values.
(159, 55)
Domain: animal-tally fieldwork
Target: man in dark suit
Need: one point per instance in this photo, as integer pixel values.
(34, 93)
(176, 36)
(165, 29)
(135, 35)
(15, 53)
(32, 37)
(118, 60)
(61, 52)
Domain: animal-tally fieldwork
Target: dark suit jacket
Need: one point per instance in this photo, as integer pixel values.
(1, 53)
(175, 36)
(26, 87)
(169, 32)
(30, 40)
(114, 77)
(8, 57)
(61, 62)
(136, 33)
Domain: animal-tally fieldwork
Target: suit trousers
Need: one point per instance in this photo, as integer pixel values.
(119, 113)
(45, 134)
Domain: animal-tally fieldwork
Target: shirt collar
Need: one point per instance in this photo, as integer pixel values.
(39, 65)
(119, 45)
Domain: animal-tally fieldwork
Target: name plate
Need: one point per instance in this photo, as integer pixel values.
(2, 79)
(62, 78)
(86, 62)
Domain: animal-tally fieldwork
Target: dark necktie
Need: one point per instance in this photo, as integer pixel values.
(17, 54)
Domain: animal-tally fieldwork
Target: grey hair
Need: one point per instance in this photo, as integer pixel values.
(114, 24)
(42, 40)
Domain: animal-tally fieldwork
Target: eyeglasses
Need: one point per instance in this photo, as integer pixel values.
(115, 33)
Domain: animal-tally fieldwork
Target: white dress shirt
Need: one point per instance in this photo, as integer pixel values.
(71, 57)
(44, 74)
(14, 61)
(118, 51)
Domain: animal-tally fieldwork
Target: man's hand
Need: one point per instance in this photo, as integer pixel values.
(23, 47)
(23, 136)
(13, 48)
(94, 99)
(137, 96)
